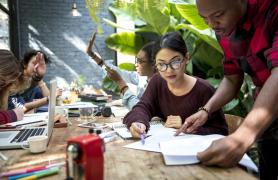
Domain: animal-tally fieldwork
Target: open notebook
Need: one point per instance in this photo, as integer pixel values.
(184, 151)
(121, 129)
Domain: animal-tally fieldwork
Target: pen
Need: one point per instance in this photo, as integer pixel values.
(41, 174)
(141, 135)
(28, 170)
(27, 174)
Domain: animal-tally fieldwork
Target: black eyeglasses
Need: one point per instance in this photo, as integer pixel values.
(174, 64)
(139, 61)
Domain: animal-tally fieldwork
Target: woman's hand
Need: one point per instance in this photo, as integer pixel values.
(19, 113)
(40, 67)
(92, 54)
(114, 75)
(173, 122)
(193, 122)
(136, 129)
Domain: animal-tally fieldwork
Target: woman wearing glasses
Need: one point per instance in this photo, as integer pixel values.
(10, 71)
(145, 69)
(172, 93)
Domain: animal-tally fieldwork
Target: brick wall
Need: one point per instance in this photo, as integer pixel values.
(48, 25)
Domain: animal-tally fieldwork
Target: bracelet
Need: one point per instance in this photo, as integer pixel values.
(37, 78)
(123, 88)
(203, 109)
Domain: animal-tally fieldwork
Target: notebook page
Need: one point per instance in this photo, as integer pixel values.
(184, 151)
(122, 130)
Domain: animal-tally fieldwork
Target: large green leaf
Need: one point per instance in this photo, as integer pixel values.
(149, 11)
(93, 7)
(206, 59)
(125, 42)
(115, 25)
(231, 105)
(190, 13)
(214, 82)
(207, 35)
(127, 66)
(110, 85)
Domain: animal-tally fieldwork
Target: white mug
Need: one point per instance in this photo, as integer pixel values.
(61, 111)
(37, 144)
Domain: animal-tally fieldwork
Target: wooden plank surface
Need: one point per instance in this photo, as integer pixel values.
(120, 163)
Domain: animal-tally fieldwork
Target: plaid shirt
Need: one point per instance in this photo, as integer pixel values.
(253, 45)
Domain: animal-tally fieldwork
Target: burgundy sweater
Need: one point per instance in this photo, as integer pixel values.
(159, 101)
(7, 116)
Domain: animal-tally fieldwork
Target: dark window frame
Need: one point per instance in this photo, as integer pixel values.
(13, 25)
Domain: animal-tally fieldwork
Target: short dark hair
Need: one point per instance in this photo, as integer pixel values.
(31, 53)
(173, 41)
(148, 49)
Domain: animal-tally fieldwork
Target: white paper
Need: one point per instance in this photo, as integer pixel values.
(157, 134)
(184, 151)
(119, 111)
(80, 105)
(122, 130)
(31, 118)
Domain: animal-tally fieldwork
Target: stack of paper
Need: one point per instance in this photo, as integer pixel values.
(182, 149)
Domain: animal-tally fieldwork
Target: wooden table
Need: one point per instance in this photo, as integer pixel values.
(120, 163)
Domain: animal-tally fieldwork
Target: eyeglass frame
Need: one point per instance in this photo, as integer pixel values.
(181, 59)
(141, 61)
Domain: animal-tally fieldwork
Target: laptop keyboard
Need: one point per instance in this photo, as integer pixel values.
(24, 134)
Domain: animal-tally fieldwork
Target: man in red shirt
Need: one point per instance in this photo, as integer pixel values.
(247, 31)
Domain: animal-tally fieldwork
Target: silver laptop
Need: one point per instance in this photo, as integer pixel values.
(15, 139)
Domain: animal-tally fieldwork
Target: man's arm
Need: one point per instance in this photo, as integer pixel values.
(227, 90)
(228, 151)
(264, 111)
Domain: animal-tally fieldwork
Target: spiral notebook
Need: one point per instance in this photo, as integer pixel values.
(121, 129)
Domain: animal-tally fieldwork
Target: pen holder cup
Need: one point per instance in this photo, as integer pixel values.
(36, 144)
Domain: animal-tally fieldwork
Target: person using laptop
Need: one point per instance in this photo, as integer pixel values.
(10, 70)
(33, 125)
(173, 92)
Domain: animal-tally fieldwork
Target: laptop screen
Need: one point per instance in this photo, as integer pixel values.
(51, 106)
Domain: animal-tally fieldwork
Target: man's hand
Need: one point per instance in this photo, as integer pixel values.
(136, 129)
(193, 122)
(225, 152)
(19, 113)
(173, 122)
(40, 67)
